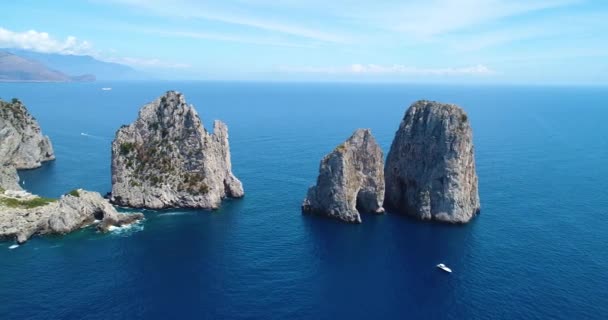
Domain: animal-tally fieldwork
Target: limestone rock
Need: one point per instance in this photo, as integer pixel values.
(72, 211)
(9, 180)
(167, 159)
(430, 169)
(22, 144)
(351, 180)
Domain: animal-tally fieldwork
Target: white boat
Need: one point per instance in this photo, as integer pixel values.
(444, 268)
(14, 246)
(106, 89)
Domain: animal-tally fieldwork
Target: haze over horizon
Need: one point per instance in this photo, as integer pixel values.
(445, 41)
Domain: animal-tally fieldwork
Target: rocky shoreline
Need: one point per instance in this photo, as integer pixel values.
(22, 214)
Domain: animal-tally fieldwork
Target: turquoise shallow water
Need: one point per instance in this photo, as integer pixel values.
(537, 251)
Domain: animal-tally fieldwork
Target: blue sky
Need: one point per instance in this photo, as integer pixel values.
(472, 41)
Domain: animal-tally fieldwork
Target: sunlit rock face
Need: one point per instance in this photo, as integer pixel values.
(430, 168)
(351, 180)
(166, 159)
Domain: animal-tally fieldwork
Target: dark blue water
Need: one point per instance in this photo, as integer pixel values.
(538, 250)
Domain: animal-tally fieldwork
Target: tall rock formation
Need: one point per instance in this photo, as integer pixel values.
(351, 180)
(430, 169)
(166, 159)
(22, 144)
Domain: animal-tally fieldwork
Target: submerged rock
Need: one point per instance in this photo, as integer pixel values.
(22, 144)
(166, 159)
(430, 169)
(351, 180)
(23, 217)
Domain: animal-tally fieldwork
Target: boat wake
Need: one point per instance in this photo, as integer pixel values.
(177, 213)
(84, 134)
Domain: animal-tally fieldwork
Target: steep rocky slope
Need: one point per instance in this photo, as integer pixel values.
(22, 144)
(430, 169)
(166, 159)
(351, 180)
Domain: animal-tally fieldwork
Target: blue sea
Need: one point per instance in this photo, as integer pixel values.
(539, 249)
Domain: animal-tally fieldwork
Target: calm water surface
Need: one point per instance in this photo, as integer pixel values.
(537, 251)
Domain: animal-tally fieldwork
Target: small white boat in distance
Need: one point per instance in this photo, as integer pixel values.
(15, 246)
(444, 268)
(106, 89)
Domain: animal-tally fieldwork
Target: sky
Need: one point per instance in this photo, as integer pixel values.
(443, 41)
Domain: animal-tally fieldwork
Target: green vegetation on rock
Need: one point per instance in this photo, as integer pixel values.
(74, 193)
(25, 204)
(341, 147)
(464, 117)
(126, 147)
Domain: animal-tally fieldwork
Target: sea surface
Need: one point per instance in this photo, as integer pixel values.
(539, 249)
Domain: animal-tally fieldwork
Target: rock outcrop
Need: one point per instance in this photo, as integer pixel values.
(9, 180)
(351, 180)
(23, 215)
(166, 159)
(22, 144)
(430, 169)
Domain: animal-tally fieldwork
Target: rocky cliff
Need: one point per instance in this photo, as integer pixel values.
(9, 180)
(167, 159)
(22, 144)
(23, 215)
(351, 180)
(430, 169)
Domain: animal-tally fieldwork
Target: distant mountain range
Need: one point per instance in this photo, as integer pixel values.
(23, 65)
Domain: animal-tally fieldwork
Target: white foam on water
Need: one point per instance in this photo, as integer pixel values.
(126, 229)
(15, 246)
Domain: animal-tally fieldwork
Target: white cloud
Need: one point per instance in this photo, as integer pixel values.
(226, 38)
(375, 69)
(148, 63)
(43, 42)
(418, 19)
(228, 14)
(426, 19)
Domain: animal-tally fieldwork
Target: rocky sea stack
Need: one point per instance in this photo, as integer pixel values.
(166, 159)
(351, 180)
(430, 169)
(23, 145)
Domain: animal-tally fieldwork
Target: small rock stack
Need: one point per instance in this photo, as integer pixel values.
(351, 180)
